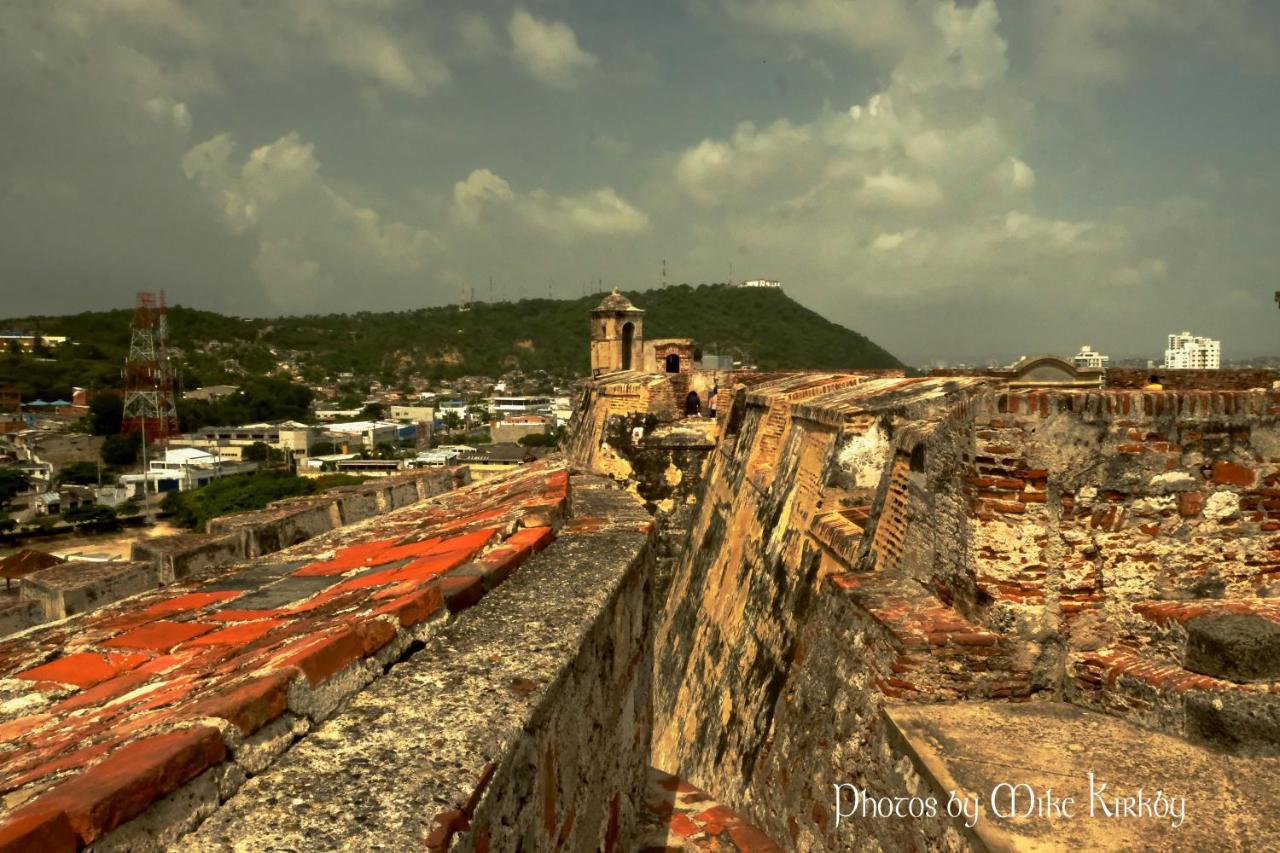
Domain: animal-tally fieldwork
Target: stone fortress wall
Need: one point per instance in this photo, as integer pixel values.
(907, 585)
(866, 545)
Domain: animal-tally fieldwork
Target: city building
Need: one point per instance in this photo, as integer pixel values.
(289, 437)
(368, 434)
(26, 343)
(762, 282)
(209, 393)
(507, 406)
(181, 469)
(1089, 359)
(1191, 352)
(517, 427)
(417, 414)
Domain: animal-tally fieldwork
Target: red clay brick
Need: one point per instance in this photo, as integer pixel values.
(535, 538)
(748, 839)
(239, 634)
(134, 776)
(47, 832)
(104, 692)
(321, 658)
(84, 669)
(460, 591)
(427, 568)
(159, 636)
(373, 633)
(241, 615)
(682, 826)
(1231, 474)
(191, 601)
(357, 556)
(249, 705)
(415, 607)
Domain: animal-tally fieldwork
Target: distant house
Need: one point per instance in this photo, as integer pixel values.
(184, 468)
(761, 282)
(517, 427)
(210, 393)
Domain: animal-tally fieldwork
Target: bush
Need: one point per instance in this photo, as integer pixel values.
(237, 493)
(120, 450)
(79, 474)
(90, 514)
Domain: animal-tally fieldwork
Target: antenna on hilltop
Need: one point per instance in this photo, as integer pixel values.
(664, 272)
(730, 272)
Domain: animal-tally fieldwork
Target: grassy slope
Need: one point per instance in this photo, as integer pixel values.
(764, 325)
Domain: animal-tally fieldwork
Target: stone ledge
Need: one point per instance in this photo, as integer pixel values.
(78, 587)
(1230, 802)
(488, 732)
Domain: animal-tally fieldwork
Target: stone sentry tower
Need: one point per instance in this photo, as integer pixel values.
(617, 335)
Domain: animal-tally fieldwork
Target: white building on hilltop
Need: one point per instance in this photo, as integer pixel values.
(1090, 360)
(1188, 352)
(761, 282)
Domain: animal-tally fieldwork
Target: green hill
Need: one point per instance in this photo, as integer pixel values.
(761, 325)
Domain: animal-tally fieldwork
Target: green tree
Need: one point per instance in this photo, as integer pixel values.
(121, 451)
(237, 493)
(90, 514)
(451, 421)
(374, 411)
(539, 439)
(79, 474)
(257, 452)
(105, 413)
(12, 483)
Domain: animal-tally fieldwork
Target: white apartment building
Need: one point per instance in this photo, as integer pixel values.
(1189, 352)
(761, 282)
(1087, 359)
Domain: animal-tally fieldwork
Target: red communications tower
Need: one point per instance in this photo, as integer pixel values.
(150, 406)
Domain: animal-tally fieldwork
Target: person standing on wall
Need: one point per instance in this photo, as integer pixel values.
(711, 401)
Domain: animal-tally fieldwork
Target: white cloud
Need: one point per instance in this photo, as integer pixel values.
(597, 212)
(713, 169)
(166, 110)
(312, 241)
(962, 50)
(549, 50)
(881, 26)
(173, 48)
(921, 191)
(890, 190)
(470, 196)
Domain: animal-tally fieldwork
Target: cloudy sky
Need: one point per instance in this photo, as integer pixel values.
(957, 180)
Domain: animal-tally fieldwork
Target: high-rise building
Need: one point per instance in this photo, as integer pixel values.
(1090, 360)
(1189, 352)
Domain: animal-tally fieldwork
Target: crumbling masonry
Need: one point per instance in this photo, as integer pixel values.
(905, 585)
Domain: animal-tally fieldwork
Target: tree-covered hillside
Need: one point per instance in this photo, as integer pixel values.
(763, 326)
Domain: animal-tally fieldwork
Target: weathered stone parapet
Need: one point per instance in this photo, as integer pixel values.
(78, 587)
(19, 615)
(522, 725)
(515, 712)
(187, 555)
